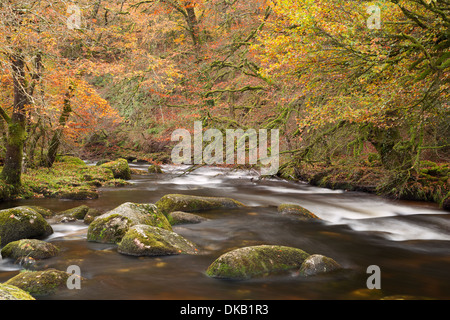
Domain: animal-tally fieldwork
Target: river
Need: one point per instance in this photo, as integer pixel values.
(409, 241)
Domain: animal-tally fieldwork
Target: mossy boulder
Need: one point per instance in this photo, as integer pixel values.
(297, 211)
(154, 168)
(111, 226)
(44, 212)
(179, 217)
(317, 264)
(180, 202)
(10, 292)
(22, 223)
(144, 240)
(77, 213)
(119, 168)
(256, 261)
(40, 283)
(91, 214)
(103, 161)
(71, 160)
(29, 248)
(80, 194)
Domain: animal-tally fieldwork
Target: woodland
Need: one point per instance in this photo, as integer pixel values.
(358, 106)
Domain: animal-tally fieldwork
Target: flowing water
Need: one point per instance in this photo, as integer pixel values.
(409, 241)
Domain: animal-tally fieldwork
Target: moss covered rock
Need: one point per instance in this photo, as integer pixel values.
(111, 226)
(71, 160)
(40, 283)
(296, 210)
(317, 264)
(44, 212)
(256, 261)
(119, 168)
(154, 168)
(21, 223)
(81, 194)
(10, 292)
(103, 161)
(179, 217)
(144, 240)
(180, 202)
(77, 213)
(29, 248)
(91, 214)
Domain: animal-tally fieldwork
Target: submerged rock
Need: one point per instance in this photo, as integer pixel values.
(40, 283)
(21, 223)
(111, 226)
(77, 195)
(180, 202)
(296, 210)
(10, 292)
(119, 168)
(317, 264)
(179, 217)
(29, 248)
(144, 240)
(256, 261)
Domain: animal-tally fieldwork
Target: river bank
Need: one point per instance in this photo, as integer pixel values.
(70, 178)
(429, 184)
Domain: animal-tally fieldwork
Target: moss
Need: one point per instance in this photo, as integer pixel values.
(71, 160)
(22, 222)
(112, 226)
(109, 229)
(40, 283)
(44, 212)
(76, 213)
(299, 211)
(257, 261)
(64, 180)
(154, 169)
(144, 240)
(91, 215)
(29, 248)
(10, 292)
(119, 168)
(179, 202)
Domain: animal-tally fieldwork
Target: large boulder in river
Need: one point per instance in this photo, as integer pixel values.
(144, 240)
(10, 292)
(29, 248)
(181, 202)
(21, 223)
(41, 283)
(256, 261)
(297, 211)
(111, 226)
(119, 168)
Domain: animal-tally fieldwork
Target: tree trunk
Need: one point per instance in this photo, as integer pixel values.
(192, 23)
(56, 139)
(12, 170)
